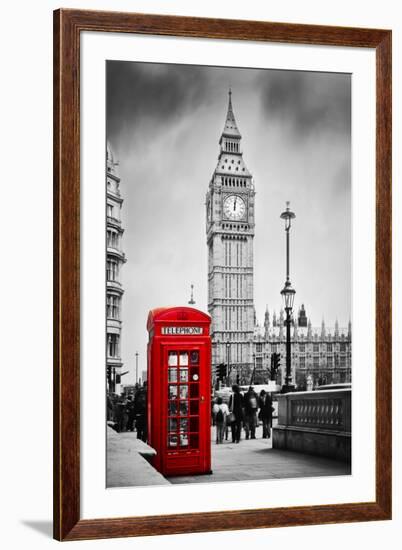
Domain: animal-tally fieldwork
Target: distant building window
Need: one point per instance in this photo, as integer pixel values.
(315, 361)
(113, 307)
(342, 347)
(329, 347)
(330, 362)
(302, 347)
(113, 345)
(342, 361)
(258, 363)
(112, 239)
(302, 361)
(110, 210)
(112, 270)
(316, 348)
(274, 348)
(259, 347)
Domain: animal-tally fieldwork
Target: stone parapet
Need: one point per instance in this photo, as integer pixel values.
(315, 422)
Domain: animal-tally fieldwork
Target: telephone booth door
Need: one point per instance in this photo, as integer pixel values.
(188, 414)
(179, 372)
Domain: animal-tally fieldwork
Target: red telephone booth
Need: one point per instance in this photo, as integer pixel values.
(179, 390)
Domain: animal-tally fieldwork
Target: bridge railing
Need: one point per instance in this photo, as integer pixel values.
(315, 422)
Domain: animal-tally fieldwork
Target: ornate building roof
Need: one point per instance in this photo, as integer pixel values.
(230, 160)
(230, 129)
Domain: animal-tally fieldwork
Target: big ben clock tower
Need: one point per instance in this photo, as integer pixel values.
(230, 235)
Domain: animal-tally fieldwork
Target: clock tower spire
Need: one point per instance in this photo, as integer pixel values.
(230, 236)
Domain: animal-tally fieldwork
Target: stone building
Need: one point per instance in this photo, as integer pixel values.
(115, 258)
(319, 355)
(230, 236)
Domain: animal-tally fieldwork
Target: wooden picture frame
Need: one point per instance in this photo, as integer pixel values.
(68, 24)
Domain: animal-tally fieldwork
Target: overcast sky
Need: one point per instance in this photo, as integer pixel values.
(164, 123)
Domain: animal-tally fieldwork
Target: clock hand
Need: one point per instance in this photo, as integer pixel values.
(234, 205)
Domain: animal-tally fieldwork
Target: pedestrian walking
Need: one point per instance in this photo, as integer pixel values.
(221, 412)
(130, 414)
(120, 414)
(236, 413)
(250, 412)
(140, 412)
(265, 414)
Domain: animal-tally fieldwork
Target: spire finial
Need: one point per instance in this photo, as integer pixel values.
(192, 301)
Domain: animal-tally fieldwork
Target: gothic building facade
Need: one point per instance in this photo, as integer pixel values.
(115, 258)
(230, 236)
(319, 356)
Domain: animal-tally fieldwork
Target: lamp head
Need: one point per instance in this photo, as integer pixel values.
(288, 295)
(288, 215)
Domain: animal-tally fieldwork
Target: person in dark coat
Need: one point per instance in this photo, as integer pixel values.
(265, 414)
(236, 408)
(130, 414)
(140, 412)
(250, 412)
(120, 414)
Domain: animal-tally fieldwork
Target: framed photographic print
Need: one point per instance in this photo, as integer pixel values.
(222, 300)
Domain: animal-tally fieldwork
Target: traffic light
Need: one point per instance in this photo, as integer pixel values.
(220, 371)
(275, 364)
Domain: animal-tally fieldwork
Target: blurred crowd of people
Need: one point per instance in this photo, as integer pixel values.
(128, 414)
(243, 411)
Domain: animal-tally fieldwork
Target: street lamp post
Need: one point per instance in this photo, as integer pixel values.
(253, 371)
(288, 295)
(136, 367)
(227, 362)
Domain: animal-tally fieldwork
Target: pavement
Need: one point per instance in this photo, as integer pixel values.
(125, 462)
(255, 459)
(251, 459)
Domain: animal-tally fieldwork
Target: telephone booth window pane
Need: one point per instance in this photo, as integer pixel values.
(172, 408)
(172, 359)
(183, 408)
(172, 392)
(172, 424)
(194, 357)
(172, 440)
(194, 390)
(172, 375)
(194, 406)
(184, 375)
(183, 440)
(194, 441)
(194, 424)
(183, 358)
(183, 425)
(195, 374)
(183, 392)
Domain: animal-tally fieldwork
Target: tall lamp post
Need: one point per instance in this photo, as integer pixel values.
(136, 367)
(227, 362)
(288, 295)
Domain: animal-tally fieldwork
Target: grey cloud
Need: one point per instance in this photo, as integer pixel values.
(155, 92)
(308, 102)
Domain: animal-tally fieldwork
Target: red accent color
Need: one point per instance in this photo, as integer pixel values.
(179, 392)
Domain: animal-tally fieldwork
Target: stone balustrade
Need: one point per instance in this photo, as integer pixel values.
(315, 422)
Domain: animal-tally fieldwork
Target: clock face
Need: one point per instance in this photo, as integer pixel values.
(234, 207)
